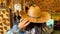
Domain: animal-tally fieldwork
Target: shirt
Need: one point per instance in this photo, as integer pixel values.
(32, 31)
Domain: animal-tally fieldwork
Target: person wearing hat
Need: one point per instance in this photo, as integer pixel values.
(16, 17)
(31, 22)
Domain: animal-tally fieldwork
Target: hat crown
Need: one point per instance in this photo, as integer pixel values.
(34, 11)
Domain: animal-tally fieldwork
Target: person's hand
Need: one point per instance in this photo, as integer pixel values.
(23, 23)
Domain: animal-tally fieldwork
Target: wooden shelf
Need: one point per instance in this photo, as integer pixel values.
(4, 21)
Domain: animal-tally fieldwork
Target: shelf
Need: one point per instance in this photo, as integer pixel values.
(1, 32)
(4, 20)
(1, 24)
(5, 28)
(1, 18)
(1, 28)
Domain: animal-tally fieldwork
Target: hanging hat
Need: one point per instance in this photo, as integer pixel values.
(35, 15)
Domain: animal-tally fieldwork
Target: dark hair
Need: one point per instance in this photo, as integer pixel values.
(33, 25)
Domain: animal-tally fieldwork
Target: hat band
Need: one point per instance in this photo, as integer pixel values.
(33, 17)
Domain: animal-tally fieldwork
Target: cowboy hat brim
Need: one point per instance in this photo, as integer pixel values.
(45, 16)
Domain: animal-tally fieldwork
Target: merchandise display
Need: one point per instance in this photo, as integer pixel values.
(4, 21)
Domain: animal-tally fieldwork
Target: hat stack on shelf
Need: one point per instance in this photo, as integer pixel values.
(4, 21)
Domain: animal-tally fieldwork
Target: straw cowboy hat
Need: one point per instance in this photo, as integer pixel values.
(35, 15)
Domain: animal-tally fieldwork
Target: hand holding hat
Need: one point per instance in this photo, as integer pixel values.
(23, 23)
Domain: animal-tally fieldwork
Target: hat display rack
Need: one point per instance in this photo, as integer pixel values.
(4, 21)
(4, 18)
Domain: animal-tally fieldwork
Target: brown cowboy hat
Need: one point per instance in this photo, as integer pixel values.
(35, 15)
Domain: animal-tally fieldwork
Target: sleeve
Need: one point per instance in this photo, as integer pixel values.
(49, 28)
(10, 32)
(14, 29)
(50, 23)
